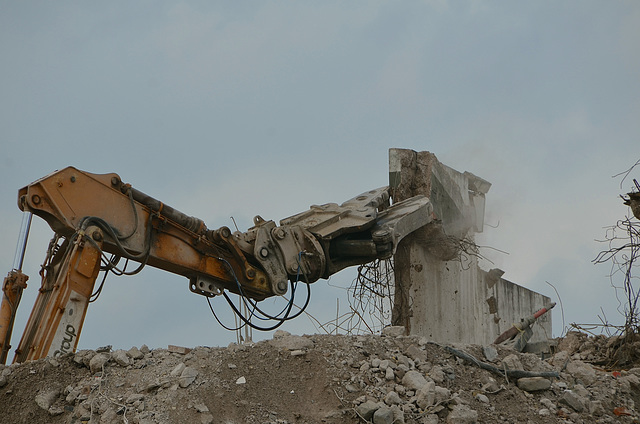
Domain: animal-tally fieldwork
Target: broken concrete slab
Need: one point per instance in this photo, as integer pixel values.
(441, 293)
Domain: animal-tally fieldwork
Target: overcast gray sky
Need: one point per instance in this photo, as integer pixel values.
(233, 109)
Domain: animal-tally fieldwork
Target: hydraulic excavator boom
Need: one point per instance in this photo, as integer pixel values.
(100, 221)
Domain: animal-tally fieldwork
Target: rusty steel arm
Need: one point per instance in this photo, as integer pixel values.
(141, 228)
(259, 262)
(96, 214)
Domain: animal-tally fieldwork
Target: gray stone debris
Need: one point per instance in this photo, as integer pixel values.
(413, 380)
(188, 376)
(367, 409)
(393, 331)
(46, 398)
(417, 354)
(393, 380)
(284, 340)
(389, 374)
(534, 384)
(121, 358)
(201, 407)
(97, 362)
(135, 353)
(383, 415)
(572, 400)
(512, 362)
(392, 398)
(426, 395)
(177, 370)
(462, 414)
(582, 372)
(490, 353)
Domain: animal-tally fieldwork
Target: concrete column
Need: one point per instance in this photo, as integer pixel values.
(440, 291)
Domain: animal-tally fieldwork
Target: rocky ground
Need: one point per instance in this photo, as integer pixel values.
(382, 379)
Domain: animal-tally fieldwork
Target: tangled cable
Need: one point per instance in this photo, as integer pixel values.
(252, 306)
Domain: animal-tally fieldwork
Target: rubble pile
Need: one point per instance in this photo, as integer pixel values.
(383, 379)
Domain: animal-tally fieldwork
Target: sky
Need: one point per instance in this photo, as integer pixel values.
(227, 110)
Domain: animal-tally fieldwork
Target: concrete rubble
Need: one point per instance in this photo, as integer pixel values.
(383, 379)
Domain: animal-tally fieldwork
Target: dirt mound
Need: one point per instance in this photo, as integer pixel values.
(319, 379)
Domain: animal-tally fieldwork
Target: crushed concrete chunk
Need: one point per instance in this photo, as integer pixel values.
(572, 400)
(177, 370)
(582, 372)
(512, 362)
(393, 331)
(383, 415)
(121, 358)
(289, 342)
(490, 353)
(178, 349)
(426, 395)
(206, 419)
(413, 380)
(367, 409)
(97, 362)
(45, 399)
(389, 374)
(136, 397)
(392, 398)
(462, 414)
(188, 376)
(534, 384)
(135, 353)
(201, 407)
(415, 353)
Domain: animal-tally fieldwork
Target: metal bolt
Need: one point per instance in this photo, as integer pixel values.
(115, 181)
(97, 235)
(381, 236)
(282, 286)
(251, 274)
(279, 233)
(73, 178)
(35, 199)
(264, 252)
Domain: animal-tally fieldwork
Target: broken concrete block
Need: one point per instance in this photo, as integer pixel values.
(437, 374)
(383, 415)
(426, 395)
(462, 414)
(534, 384)
(45, 399)
(572, 400)
(121, 358)
(490, 352)
(367, 409)
(582, 372)
(201, 407)
(135, 397)
(178, 349)
(415, 353)
(512, 362)
(290, 342)
(188, 376)
(177, 370)
(393, 331)
(392, 398)
(413, 380)
(97, 362)
(389, 374)
(135, 353)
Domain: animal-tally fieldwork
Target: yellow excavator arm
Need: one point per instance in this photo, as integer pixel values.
(97, 215)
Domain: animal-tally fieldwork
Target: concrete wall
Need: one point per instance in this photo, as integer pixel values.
(440, 291)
